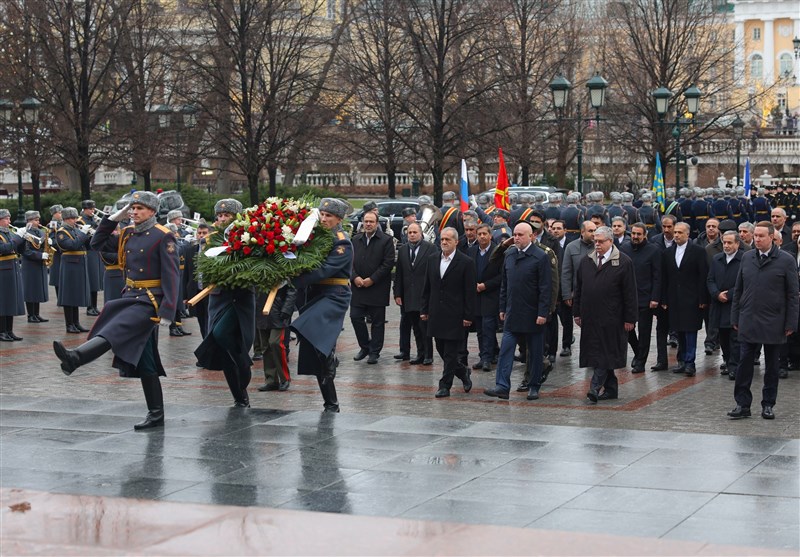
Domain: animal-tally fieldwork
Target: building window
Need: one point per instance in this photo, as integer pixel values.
(781, 98)
(331, 9)
(756, 67)
(756, 33)
(786, 64)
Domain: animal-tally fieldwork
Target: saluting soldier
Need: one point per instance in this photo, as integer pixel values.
(35, 256)
(73, 279)
(129, 325)
(93, 264)
(231, 324)
(328, 294)
(10, 277)
(54, 225)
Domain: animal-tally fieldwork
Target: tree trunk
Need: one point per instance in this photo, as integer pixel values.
(438, 184)
(37, 192)
(526, 172)
(147, 177)
(86, 182)
(391, 173)
(252, 186)
(272, 173)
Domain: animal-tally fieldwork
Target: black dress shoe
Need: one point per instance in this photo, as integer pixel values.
(13, 336)
(723, 368)
(284, 386)
(442, 393)
(361, 355)
(183, 331)
(477, 365)
(72, 329)
(522, 387)
(691, 371)
(41, 319)
(268, 387)
(731, 376)
(680, 368)
(468, 384)
(241, 404)
(153, 419)
(416, 361)
(566, 352)
(486, 366)
(767, 413)
(5, 338)
(373, 359)
(607, 396)
(783, 373)
(497, 393)
(551, 358)
(92, 312)
(533, 394)
(739, 412)
(637, 369)
(81, 328)
(660, 366)
(174, 331)
(494, 360)
(32, 319)
(402, 356)
(593, 395)
(427, 362)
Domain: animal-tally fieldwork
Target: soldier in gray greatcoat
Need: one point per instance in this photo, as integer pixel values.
(10, 278)
(129, 325)
(73, 279)
(35, 256)
(94, 266)
(54, 225)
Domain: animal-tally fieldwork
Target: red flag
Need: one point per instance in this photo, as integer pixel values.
(501, 191)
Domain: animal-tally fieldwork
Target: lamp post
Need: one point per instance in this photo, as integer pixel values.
(30, 115)
(692, 96)
(738, 132)
(560, 88)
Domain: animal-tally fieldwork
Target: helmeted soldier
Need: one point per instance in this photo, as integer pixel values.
(95, 268)
(129, 325)
(627, 204)
(539, 199)
(573, 216)
(35, 257)
(553, 210)
(500, 228)
(701, 212)
(762, 209)
(672, 206)
(513, 200)
(721, 206)
(616, 209)
(11, 245)
(596, 207)
(328, 294)
(484, 201)
(648, 215)
(73, 279)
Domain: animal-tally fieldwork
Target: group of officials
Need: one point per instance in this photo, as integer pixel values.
(608, 269)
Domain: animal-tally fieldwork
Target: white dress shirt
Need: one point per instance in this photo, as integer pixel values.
(444, 263)
(679, 251)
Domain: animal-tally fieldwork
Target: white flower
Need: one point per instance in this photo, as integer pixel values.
(246, 238)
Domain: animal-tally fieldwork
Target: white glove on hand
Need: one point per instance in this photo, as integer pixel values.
(21, 232)
(45, 256)
(121, 215)
(165, 322)
(49, 241)
(85, 228)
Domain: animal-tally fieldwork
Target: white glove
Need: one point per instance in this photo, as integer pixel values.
(21, 232)
(189, 239)
(473, 203)
(53, 224)
(121, 215)
(90, 232)
(45, 256)
(165, 322)
(85, 228)
(49, 241)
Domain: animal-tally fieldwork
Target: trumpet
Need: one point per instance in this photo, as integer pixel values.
(98, 215)
(23, 233)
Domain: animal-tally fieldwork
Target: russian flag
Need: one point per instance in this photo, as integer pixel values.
(464, 187)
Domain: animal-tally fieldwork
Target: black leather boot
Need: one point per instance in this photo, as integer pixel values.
(326, 385)
(83, 354)
(31, 312)
(71, 328)
(76, 320)
(151, 386)
(9, 328)
(38, 308)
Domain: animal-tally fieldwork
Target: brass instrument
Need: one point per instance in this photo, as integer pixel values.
(48, 248)
(429, 218)
(35, 241)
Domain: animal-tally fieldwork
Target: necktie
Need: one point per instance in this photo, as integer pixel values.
(599, 260)
(412, 253)
(763, 258)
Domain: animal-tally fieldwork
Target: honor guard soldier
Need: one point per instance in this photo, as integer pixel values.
(685, 200)
(10, 277)
(35, 260)
(500, 228)
(721, 206)
(616, 209)
(627, 204)
(649, 216)
(129, 325)
(701, 212)
(73, 280)
(328, 294)
(95, 267)
(573, 216)
(451, 213)
(231, 324)
(553, 210)
(54, 225)
(672, 207)
(596, 207)
(761, 206)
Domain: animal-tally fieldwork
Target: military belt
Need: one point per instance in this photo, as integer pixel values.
(73, 253)
(113, 267)
(334, 282)
(8, 257)
(143, 283)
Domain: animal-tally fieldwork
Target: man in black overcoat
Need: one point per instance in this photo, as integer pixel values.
(721, 280)
(448, 306)
(488, 274)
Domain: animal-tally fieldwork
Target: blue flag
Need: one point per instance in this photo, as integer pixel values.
(747, 179)
(658, 185)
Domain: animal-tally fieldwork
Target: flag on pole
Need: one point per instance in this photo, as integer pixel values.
(747, 178)
(464, 187)
(501, 191)
(658, 185)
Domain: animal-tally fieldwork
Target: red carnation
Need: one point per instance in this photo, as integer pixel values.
(247, 250)
(260, 240)
(284, 248)
(270, 248)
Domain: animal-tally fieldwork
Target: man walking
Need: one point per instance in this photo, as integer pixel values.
(604, 306)
(764, 310)
(721, 281)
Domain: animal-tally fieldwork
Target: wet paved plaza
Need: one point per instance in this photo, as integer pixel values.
(662, 466)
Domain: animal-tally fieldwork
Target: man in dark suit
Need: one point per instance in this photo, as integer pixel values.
(448, 307)
(191, 285)
(373, 259)
(764, 310)
(721, 281)
(409, 281)
(488, 277)
(524, 307)
(685, 294)
(664, 334)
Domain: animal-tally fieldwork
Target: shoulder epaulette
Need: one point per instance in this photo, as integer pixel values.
(163, 228)
(340, 235)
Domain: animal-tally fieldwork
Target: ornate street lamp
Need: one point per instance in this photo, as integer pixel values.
(738, 133)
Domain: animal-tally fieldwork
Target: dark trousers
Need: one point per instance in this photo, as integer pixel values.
(565, 316)
(607, 379)
(712, 333)
(372, 343)
(729, 342)
(421, 339)
(449, 351)
(687, 347)
(744, 375)
(486, 326)
(201, 312)
(405, 332)
(641, 343)
(662, 334)
(551, 336)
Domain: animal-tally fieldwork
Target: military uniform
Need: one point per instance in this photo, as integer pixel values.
(761, 209)
(321, 318)
(701, 212)
(452, 217)
(648, 215)
(114, 278)
(94, 266)
(573, 218)
(73, 278)
(11, 278)
(34, 273)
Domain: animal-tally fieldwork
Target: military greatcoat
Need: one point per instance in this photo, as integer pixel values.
(10, 274)
(73, 279)
(34, 268)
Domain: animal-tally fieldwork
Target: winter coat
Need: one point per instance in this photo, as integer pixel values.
(684, 289)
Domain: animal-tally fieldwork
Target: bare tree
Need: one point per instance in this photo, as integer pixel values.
(450, 40)
(80, 42)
